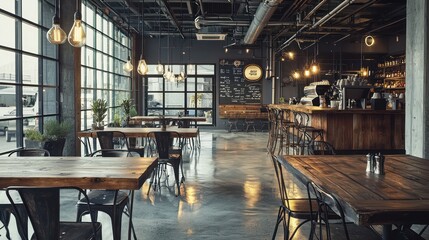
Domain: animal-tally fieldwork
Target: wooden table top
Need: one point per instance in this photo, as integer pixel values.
(157, 118)
(84, 172)
(400, 196)
(142, 132)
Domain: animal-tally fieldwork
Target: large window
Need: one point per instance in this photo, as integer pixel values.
(194, 96)
(29, 83)
(102, 58)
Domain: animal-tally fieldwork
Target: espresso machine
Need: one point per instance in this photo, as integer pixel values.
(312, 93)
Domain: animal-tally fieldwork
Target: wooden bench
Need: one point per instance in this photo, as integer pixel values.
(243, 114)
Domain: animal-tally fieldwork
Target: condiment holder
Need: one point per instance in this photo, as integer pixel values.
(375, 163)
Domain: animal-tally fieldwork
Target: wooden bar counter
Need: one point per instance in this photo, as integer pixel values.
(358, 130)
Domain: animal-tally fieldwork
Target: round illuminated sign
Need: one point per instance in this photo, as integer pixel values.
(253, 72)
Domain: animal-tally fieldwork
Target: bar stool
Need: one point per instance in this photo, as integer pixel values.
(288, 130)
(306, 133)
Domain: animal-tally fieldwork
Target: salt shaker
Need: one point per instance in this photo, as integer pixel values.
(369, 163)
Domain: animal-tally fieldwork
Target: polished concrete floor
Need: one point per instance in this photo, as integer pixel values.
(230, 192)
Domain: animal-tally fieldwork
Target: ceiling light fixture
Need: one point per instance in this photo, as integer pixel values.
(77, 36)
(142, 68)
(128, 66)
(56, 34)
(159, 67)
(369, 41)
(296, 75)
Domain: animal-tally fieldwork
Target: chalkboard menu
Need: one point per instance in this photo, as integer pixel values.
(233, 86)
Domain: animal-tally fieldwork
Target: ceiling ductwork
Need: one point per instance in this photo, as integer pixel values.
(263, 14)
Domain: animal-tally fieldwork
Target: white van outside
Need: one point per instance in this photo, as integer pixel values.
(8, 104)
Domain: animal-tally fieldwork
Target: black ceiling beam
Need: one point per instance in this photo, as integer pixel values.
(167, 10)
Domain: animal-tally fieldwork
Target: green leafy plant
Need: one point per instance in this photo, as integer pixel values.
(34, 135)
(127, 105)
(99, 110)
(53, 130)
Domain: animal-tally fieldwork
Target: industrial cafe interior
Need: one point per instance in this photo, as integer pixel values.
(228, 119)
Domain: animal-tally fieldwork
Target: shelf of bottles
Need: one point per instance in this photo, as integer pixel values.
(391, 68)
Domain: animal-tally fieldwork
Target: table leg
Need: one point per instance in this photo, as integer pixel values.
(387, 231)
(131, 214)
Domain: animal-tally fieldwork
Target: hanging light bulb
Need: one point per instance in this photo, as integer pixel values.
(172, 77)
(314, 68)
(296, 75)
(307, 73)
(77, 35)
(291, 55)
(364, 72)
(226, 50)
(142, 68)
(128, 66)
(56, 34)
(190, 67)
(160, 68)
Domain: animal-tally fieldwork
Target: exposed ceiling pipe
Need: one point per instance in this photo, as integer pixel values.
(313, 11)
(262, 16)
(369, 3)
(289, 41)
(199, 21)
(332, 13)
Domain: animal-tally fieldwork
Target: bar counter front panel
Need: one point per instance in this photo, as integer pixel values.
(358, 130)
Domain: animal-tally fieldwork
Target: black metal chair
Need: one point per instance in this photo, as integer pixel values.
(297, 208)
(43, 214)
(116, 140)
(30, 152)
(326, 204)
(167, 155)
(111, 202)
(6, 208)
(321, 148)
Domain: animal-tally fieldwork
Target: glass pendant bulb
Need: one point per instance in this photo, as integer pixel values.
(172, 77)
(160, 68)
(128, 66)
(314, 68)
(77, 35)
(307, 73)
(56, 34)
(142, 68)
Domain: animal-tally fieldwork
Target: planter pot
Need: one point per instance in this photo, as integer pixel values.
(55, 148)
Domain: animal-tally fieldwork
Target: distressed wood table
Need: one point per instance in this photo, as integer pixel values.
(83, 172)
(401, 196)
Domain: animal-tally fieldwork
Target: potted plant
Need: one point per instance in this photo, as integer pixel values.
(99, 110)
(129, 110)
(53, 138)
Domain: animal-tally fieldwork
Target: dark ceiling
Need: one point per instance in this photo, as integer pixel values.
(289, 21)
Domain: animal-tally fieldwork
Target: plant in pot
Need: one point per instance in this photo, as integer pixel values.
(99, 110)
(53, 138)
(129, 110)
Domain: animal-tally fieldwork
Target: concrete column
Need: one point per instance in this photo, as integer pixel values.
(417, 88)
(70, 74)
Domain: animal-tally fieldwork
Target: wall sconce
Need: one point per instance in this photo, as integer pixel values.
(369, 41)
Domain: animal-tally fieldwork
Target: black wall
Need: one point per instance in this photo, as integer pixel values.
(203, 52)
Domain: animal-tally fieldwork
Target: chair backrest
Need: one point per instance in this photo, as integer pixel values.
(302, 119)
(42, 205)
(326, 203)
(114, 153)
(30, 152)
(164, 141)
(280, 180)
(112, 140)
(321, 148)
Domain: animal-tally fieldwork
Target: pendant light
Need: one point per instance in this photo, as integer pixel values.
(128, 66)
(142, 67)
(77, 36)
(56, 34)
(190, 66)
(159, 67)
